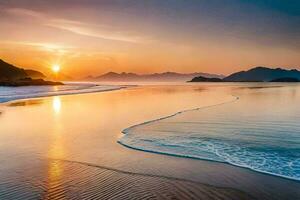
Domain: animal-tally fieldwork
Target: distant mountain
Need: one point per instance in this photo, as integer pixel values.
(291, 80)
(10, 72)
(34, 74)
(257, 74)
(156, 77)
(14, 76)
(262, 74)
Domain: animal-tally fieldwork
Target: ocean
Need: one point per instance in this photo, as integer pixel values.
(258, 129)
(14, 93)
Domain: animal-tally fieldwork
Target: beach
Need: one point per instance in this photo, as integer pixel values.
(66, 147)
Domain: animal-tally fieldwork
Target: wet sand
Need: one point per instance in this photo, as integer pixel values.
(66, 148)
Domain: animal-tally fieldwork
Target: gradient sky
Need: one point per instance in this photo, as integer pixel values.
(144, 36)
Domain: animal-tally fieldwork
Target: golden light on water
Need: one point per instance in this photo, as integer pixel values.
(56, 151)
(55, 68)
(56, 105)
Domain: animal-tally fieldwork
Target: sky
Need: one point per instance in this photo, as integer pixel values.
(92, 37)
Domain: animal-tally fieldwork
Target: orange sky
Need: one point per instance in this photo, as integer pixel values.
(95, 37)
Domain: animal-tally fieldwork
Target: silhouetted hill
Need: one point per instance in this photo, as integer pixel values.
(204, 79)
(28, 82)
(10, 72)
(14, 76)
(257, 74)
(287, 79)
(156, 77)
(34, 74)
(262, 74)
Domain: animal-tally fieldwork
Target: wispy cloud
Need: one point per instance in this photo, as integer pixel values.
(50, 47)
(80, 28)
(24, 12)
(93, 30)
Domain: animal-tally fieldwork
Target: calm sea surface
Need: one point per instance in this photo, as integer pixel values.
(66, 147)
(259, 129)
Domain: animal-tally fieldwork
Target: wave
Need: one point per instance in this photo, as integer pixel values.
(259, 146)
(15, 93)
(126, 131)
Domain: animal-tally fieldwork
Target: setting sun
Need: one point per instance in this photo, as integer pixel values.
(56, 68)
(160, 99)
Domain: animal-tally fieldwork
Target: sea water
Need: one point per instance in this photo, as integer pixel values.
(259, 129)
(13, 93)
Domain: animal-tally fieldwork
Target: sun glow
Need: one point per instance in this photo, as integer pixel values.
(55, 68)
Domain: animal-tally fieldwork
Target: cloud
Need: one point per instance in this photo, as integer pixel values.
(101, 31)
(39, 46)
(24, 12)
(92, 30)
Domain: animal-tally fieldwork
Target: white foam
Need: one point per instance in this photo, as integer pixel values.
(268, 147)
(14, 93)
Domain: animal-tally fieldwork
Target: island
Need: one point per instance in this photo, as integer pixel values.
(13, 76)
(256, 74)
(205, 79)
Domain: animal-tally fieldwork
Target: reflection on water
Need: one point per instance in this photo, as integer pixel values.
(56, 104)
(260, 131)
(26, 103)
(53, 187)
(56, 151)
(55, 88)
(92, 129)
(54, 129)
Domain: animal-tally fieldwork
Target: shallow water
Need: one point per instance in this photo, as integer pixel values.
(65, 147)
(13, 93)
(259, 130)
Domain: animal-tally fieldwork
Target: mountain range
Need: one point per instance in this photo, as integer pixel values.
(155, 77)
(263, 74)
(10, 73)
(257, 74)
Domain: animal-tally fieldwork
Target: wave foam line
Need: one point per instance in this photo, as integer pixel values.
(126, 131)
(226, 161)
(92, 89)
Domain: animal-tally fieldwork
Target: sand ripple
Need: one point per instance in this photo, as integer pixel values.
(60, 179)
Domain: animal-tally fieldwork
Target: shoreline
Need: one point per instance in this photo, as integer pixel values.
(85, 90)
(208, 160)
(105, 151)
(127, 132)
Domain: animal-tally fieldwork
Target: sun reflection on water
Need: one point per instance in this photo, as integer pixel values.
(56, 104)
(56, 151)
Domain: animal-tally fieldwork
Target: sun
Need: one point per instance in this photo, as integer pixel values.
(55, 68)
